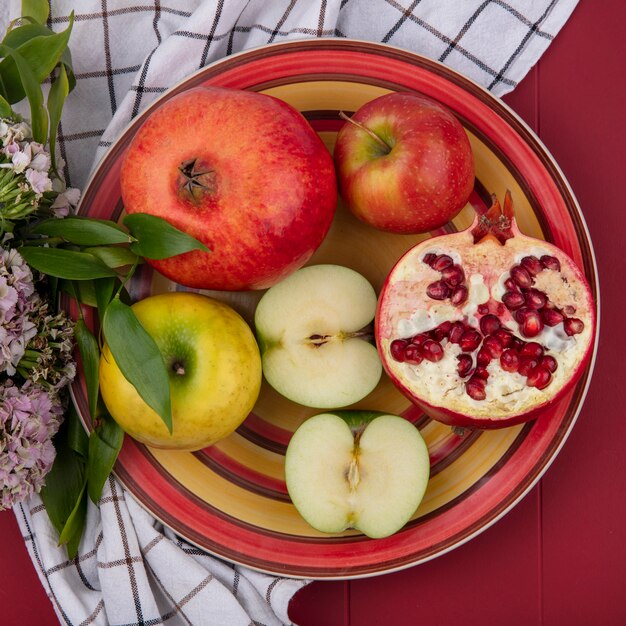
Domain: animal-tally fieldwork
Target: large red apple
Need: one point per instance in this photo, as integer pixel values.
(242, 172)
(404, 164)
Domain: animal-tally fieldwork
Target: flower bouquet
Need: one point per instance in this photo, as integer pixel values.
(45, 251)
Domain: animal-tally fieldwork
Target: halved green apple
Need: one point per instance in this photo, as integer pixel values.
(315, 346)
(357, 469)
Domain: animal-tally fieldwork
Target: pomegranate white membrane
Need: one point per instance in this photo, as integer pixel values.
(486, 327)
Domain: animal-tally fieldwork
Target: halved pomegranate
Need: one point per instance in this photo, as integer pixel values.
(486, 327)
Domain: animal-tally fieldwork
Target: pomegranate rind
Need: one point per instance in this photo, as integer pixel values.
(404, 295)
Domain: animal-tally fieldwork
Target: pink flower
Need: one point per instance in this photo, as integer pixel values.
(38, 181)
(29, 418)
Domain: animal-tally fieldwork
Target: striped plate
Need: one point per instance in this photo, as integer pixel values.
(230, 499)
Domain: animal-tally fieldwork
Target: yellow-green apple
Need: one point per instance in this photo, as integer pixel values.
(357, 469)
(315, 346)
(214, 371)
(404, 163)
(240, 171)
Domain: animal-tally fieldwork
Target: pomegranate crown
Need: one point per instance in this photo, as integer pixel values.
(497, 222)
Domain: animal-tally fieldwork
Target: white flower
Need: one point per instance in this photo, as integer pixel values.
(41, 162)
(39, 181)
(20, 160)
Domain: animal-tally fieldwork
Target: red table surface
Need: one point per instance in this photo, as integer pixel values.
(559, 557)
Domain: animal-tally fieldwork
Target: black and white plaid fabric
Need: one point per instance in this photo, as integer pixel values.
(130, 570)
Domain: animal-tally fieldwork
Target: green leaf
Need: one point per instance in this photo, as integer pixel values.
(83, 231)
(65, 483)
(66, 59)
(90, 357)
(5, 108)
(82, 290)
(105, 442)
(73, 529)
(21, 34)
(32, 89)
(41, 54)
(37, 9)
(56, 99)
(104, 288)
(65, 263)
(157, 238)
(77, 438)
(114, 257)
(143, 365)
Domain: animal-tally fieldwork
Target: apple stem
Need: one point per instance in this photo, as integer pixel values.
(370, 132)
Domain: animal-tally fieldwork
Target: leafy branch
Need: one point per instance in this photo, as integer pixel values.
(30, 54)
(93, 260)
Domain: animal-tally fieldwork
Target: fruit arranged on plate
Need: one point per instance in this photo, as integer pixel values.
(486, 327)
(313, 335)
(214, 372)
(242, 172)
(357, 469)
(404, 163)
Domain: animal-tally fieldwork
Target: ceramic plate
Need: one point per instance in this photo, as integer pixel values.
(230, 499)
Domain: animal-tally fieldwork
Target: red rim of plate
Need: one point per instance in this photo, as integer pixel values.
(538, 443)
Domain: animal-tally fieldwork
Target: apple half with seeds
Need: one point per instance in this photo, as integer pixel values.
(315, 342)
(357, 469)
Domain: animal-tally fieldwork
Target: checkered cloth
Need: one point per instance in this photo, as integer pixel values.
(131, 570)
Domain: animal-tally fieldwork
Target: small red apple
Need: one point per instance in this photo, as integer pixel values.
(404, 164)
(242, 172)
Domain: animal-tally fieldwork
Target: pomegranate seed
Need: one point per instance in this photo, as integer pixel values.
(489, 324)
(535, 299)
(397, 349)
(483, 309)
(441, 262)
(532, 265)
(459, 296)
(526, 364)
(413, 354)
(573, 326)
(509, 361)
(442, 331)
(504, 337)
(569, 310)
(420, 339)
(483, 357)
(458, 328)
(429, 258)
(465, 365)
(481, 372)
(551, 317)
(521, 276)
(513, 300)
(475, 388)
(539, 377)
(550, 262)
(453, 275)
(516, 344)
(470, 340)
(511, 285)
(438, 290)
(532, 348)
(493, 345)
(530, 323)
(549, 363)
(432, 350)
